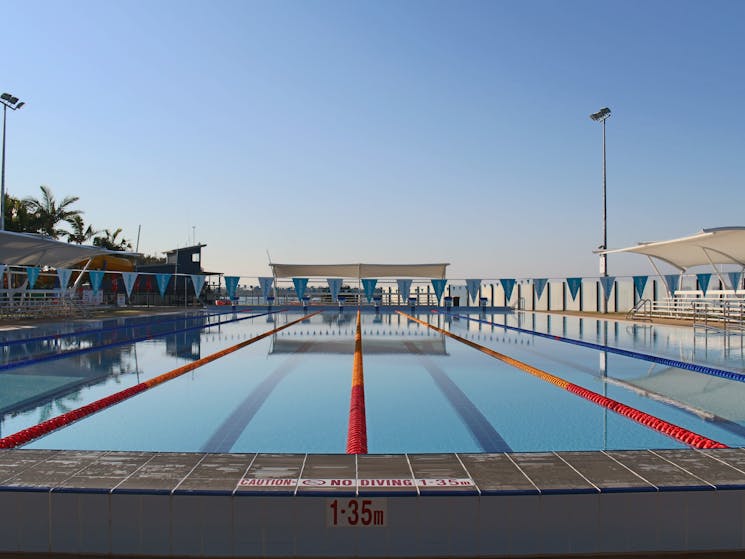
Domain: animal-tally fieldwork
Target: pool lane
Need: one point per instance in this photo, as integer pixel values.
(230, 430)
(671, 430)
(149, 335)
(703, 369)
(482, 430)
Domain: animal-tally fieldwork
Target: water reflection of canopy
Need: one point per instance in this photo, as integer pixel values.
(372, 346)
(358, 271)
(719, 245)
(713, 395)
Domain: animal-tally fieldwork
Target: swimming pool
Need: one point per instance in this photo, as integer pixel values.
(424, 392)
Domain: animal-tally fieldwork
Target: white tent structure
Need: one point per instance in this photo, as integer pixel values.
(29, 249)
(359, 271)
(710, 247)
(720, 245)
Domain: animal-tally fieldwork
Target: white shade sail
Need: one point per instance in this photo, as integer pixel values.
(358, 271)
(720, 245)
(28, 249)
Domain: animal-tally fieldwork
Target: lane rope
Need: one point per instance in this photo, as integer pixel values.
(357, 427)
(123, 341)
(45, 427)
(713, 371)
(676, 432)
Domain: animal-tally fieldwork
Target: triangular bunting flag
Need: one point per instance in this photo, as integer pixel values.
(734, 278)
(703, 282)
(197, 280)
(672, 281)
(266, 286)
(33, 274)
(334, 287)
(231, 283)
(607, 282)
(472, 287)
(539, 284)
(404, 288)
(507, 285)
(300, 285)
(63, 274)
(639, 283)
(162, 281)
(129, 281)
(95, 277)
(439, 286)
(368, 284)
(574, 284)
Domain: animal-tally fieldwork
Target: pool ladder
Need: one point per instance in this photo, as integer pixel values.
(641, 311)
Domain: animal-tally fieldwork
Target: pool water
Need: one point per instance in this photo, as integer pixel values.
(424, 392)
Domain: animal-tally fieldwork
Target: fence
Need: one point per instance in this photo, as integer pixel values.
(549, 294)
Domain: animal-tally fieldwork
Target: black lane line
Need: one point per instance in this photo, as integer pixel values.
(226, 435)
(481, 429)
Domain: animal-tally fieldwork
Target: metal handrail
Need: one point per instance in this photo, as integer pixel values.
(642, 306)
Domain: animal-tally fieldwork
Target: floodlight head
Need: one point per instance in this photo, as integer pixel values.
(19, 105)
(601, 115)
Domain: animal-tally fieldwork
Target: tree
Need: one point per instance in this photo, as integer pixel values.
(110, 241)
(150, 259)
(80, 233)
(47, 213)
(17, 216)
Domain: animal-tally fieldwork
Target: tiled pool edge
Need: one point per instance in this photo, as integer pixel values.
(246, 505)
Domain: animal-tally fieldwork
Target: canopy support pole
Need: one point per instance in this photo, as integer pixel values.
(656, 269)
(716, 271)
(80, 276)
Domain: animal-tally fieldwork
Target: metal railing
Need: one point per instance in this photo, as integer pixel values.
(641, 311)
(41, 304)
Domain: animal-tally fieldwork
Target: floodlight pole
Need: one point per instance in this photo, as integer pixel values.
(601, 116)
(8, 101)
(605, 214)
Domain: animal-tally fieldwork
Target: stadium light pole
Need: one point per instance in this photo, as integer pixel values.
(8, 101)
(601, 116)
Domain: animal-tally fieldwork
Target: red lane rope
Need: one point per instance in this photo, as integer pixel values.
(357, 427)
(45, 427)
(680, 434)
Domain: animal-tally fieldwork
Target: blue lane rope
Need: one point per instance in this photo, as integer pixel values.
(722, 373)
(70, 353)
(87, 331)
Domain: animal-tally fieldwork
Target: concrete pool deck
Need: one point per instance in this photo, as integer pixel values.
(125, 504)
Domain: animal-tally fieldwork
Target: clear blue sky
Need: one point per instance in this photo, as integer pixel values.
(385, 131)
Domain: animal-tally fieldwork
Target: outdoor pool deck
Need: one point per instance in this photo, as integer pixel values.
(125, 504)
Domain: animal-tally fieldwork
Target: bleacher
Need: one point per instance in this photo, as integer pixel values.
(717, 308)
(24, 304)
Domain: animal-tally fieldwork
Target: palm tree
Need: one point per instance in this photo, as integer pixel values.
(48, 213)
(17, 217)
(110, 241)
(80, 233)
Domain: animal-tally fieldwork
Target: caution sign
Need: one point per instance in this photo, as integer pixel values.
(267, 482)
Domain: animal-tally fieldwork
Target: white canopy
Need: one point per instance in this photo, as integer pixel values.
(358, 271)
(720, 245)
(28, 249)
